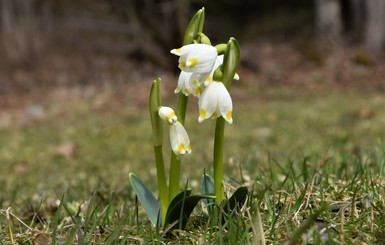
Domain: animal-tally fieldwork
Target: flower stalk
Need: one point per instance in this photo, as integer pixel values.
(157, 132)
(230, 64)
(218, 160)
(195, 26)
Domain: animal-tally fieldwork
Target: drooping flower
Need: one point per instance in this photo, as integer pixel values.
(214, 102)
(189, 83)
(167, 114)
(180, 142)
(217, 63)
(197, 58)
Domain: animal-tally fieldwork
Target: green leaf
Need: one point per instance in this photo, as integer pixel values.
(179, 197)
(55, 223)
(237, 199)
(207, 188)
(181, 207)
(194, 27)
(146, 198)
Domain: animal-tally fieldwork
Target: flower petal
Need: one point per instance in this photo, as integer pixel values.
(225, 103)
(198, 58)
(184, 50)
(180, 142)
(183, 80)
(208, 102)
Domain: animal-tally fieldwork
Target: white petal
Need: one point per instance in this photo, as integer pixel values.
(236, 76)
(184, 50)
(198, 58)
(195, 83)
(217, 63)
(208, 102)
(180, 142)
(183, 79)
(225, 103)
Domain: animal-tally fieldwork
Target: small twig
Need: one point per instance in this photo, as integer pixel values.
(9, 225)
(8, 214)
(258, 231)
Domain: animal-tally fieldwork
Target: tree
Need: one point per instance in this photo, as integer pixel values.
(363, 19)
(328, 19)
(375, 25)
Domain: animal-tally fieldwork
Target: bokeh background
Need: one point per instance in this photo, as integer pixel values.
(54, 43)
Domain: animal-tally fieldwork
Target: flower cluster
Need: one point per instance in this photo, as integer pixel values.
(198, 62)
(206, 72)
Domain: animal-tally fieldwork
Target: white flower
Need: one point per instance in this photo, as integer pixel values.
(217, 63)
(180, 142)
(167, 114)
(197, 58)
(189, 83)
(215, 101)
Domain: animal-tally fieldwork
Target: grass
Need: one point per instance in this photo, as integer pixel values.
(313, 162)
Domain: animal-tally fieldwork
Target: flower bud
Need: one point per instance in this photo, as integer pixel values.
(167, 114)
(194, 27)
(155, 102)
(230, 62)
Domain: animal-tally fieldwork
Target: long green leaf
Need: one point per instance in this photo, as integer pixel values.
(237, 199)
(207, 188)
(146, 198)
(181, 207)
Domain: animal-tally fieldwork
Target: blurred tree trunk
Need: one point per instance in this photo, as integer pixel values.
(162, 25)
(357, 8)
(20, 34)
(328, 19)
(375, 25)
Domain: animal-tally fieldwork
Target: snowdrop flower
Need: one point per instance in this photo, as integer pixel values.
(189, 83)
(217, 63)
(197, 58)
(215, 101)
(180, 142)
(167, 114)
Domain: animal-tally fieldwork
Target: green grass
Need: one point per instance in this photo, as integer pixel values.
(310, 160)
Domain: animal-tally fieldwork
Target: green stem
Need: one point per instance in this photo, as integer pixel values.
(175, 162)
(162, 182)
(218, 160)
(157, 134)
(174, 176)
(181, 109)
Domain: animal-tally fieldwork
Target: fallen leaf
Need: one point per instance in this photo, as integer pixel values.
(67, 150)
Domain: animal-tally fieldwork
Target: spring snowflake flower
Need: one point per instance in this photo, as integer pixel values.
(215, 101)
(197, 58)
(209, 77)
(167, 114)
(180, 142)
(190, 83)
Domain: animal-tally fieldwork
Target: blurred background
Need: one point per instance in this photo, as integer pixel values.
(45, 43)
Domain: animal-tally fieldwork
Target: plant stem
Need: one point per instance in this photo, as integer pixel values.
(157, 133)
(162, 182)
(181, 109)
(175, 162)
(218, 160)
